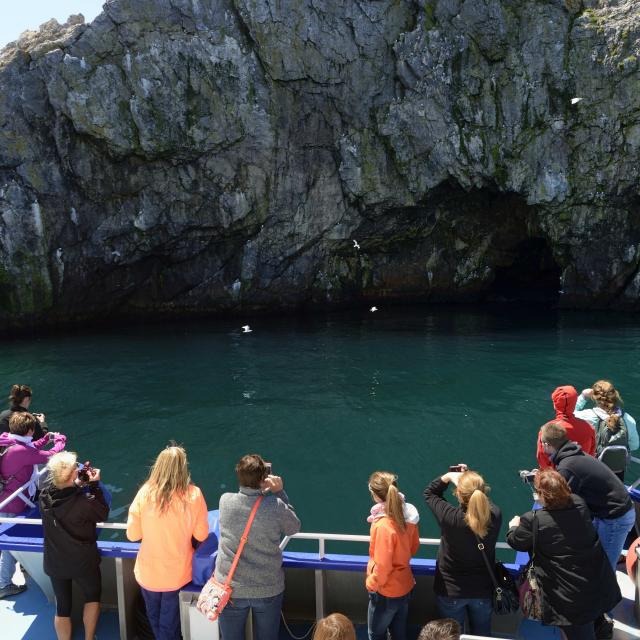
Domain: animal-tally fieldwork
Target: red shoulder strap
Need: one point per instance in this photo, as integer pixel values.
(243, 540)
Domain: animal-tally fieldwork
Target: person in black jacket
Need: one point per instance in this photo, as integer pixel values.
(607, 498)
(70, 508)
(576, 580)
(19, 401)
(462, 583)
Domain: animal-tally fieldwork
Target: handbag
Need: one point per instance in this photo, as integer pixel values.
(215, 595)
(529, 589)
(505, 598)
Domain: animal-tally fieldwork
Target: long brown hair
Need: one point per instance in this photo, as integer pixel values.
(384, 485)
(472, 493)
(606, 396)
(169, 477)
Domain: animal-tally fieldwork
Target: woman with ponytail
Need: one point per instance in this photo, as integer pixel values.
(462, 583)
(394, 539)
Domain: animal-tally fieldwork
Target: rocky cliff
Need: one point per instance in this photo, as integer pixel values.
(221, 155)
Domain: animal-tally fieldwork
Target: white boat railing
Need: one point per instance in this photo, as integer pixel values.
(634, 485)
(100, 525)
(17, 493)
(322, 538)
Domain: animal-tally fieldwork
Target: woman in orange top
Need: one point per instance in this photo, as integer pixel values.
(165, 514)
(394, 539)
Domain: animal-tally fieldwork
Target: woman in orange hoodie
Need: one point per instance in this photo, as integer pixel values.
(394, 539)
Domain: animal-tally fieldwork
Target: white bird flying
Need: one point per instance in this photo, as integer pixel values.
(356, 245)
(246, 329)
(373, 309)
(576, 100)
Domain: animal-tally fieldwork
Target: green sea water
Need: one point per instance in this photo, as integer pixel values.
(328, 400)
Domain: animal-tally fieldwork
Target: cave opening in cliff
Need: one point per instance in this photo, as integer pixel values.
(532, 277)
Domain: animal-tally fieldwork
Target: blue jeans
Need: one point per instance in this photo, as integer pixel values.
(266, 618)
(163, 611)
(479, 611)
(613, 533)
(7, 561)
(387, 613)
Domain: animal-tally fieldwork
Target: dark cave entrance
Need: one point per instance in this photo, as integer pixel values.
(532, 277)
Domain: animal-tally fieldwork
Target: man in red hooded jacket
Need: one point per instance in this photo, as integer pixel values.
(564, 402)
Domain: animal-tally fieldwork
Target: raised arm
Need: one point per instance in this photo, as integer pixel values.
(433, 496)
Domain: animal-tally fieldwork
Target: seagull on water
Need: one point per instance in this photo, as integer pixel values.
(373, 309)
(356, 245)
(246, 329)
(576, 100)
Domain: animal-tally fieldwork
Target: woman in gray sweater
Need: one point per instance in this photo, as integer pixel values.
(258, 583)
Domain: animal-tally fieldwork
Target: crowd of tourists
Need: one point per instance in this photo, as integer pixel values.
(575, 535)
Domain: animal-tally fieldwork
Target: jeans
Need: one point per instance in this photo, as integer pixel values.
(387, 613)
(479, 611)
(7, 561)
(613, 533)
(163, 612)
(266, 618)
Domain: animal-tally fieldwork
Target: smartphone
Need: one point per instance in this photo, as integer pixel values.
(456, 468)
(269, 468)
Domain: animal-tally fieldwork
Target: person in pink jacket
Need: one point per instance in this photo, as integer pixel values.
(18, 460)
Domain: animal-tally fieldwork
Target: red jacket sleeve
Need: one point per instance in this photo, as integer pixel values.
(543, 458)
(591, 450)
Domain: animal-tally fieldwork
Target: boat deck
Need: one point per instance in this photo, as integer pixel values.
(29, 616)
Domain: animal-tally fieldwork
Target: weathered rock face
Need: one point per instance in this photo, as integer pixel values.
(206, 155)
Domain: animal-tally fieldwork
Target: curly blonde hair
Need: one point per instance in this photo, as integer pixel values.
(606, 396)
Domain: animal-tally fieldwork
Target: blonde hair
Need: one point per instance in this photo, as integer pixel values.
(606, 396)
(61, 467)
(472, 493)
(384, 485)
(334, 627)
(169, 477)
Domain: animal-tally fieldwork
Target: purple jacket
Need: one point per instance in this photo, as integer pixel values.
(18, 461)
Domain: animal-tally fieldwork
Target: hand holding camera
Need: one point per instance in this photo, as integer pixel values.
(40, 417)
(87, 473)
(272, 484)
(527, 476)
(454, 473)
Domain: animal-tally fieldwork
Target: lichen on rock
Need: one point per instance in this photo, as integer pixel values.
(201, 155)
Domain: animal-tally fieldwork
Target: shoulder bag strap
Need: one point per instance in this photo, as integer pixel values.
(487, 563)
(243, 541)
(534, 528)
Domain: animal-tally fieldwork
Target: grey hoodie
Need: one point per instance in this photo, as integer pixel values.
(259, 573)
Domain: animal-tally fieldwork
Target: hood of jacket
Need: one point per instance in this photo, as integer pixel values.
(411, 515)
(564, 401)
(567, 450)
(56, 502)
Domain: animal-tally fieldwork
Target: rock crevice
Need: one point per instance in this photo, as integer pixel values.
(222, 155)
